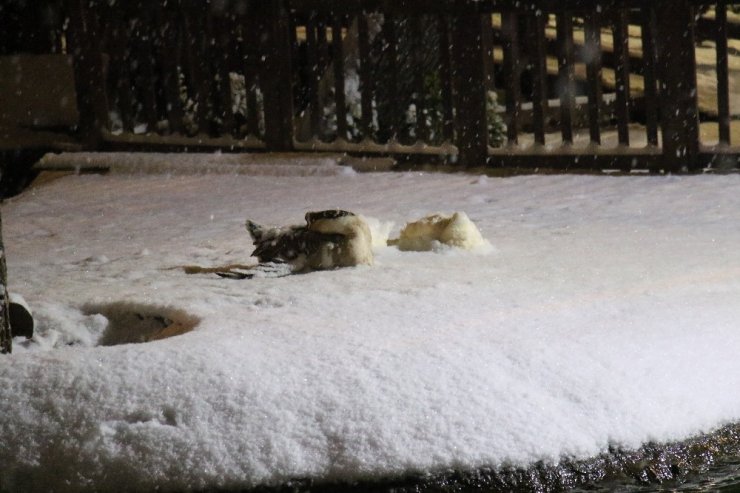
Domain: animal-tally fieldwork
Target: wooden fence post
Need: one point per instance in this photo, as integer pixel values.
(277, 75)
(6, 340)
(469, 83)
(512, 74)
(84, 43)
(677, 75)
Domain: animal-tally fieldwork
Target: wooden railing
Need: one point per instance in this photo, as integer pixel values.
(609, 84)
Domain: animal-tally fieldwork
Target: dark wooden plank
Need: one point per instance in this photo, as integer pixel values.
(198, 81)
(224, 28)
(170, 55)
(250, 43)
(413, 7)
(338, 61)
(620, 36)
(92, 101)
(148, 76)
(592, 59)
(650, 82)
(578, 161)
(488, 65)
(512, 73)
(566, 75)
(322, 45)
(471, 126)
(396, 116)
(445, 61)
(538, 60)
(121, 65)
(419, 71)
(677, 73)
(277, 81)
(366, 76)
(314, 76)
(723, 78)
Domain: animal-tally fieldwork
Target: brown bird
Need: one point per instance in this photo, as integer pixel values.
(329, 239)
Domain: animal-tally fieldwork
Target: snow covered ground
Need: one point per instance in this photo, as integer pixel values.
(606, 313)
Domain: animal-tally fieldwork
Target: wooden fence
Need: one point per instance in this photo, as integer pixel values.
(607, 84)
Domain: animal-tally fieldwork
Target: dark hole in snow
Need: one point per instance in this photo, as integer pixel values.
(134, 323)
(21, 320)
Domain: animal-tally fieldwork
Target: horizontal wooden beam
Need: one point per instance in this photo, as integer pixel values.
(422, 7)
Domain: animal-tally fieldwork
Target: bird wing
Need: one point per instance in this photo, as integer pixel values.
(291, 244)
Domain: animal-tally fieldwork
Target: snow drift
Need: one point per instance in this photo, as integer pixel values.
(606, 315)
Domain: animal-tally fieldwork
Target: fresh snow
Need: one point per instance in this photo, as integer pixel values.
(605, 313)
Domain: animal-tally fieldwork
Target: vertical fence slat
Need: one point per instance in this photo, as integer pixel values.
(419, 90)
(278, 80)
(723, 78)
(469, 90)
(322, 49)
(196, 55)
(366, 79)
(322, 44)
(512, 72)
(120, 59)
(312, 59)
(678, 97)
(445, 61)
(170, 57)
(592, 54)
(488, 65)
(251, 27)
(149, 82)
(339, 96)
(92, 101)
(538, 61)
(225, 28)
(620, 36)
(650, 82)
(565, 74)
(396, 110)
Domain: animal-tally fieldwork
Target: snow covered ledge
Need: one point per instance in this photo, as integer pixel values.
(269, 164)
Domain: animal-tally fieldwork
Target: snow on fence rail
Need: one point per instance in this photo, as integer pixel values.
(580, 84)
